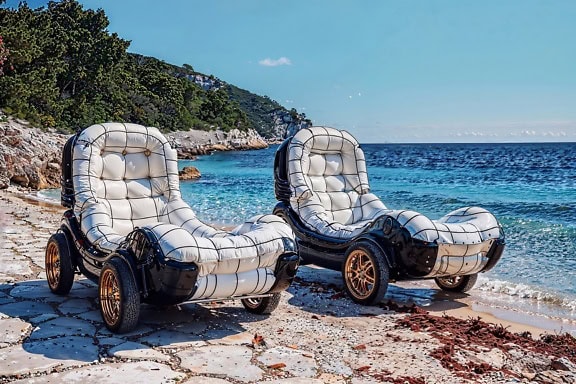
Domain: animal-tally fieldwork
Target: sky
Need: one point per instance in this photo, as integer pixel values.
(385, 70)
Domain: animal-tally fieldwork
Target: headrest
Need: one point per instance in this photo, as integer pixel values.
(324, 140)
(348, 159)
(122, 138)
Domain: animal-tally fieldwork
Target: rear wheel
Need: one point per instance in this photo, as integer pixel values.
(58, 264)
(262, 305)
(457, 283)
(365, 273)
(119, 297)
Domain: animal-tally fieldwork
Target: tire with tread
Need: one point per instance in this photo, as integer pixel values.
(59, 265)
(262, 305)
(119, 296)
(457, 283)
(365, 272)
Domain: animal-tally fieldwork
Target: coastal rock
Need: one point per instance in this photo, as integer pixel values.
(189, 173)
(192, 143)
(29, 157)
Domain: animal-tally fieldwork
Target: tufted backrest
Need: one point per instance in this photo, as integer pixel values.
(327, 171)
(124, 175)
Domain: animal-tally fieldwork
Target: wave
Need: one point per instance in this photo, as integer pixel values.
(524, 291)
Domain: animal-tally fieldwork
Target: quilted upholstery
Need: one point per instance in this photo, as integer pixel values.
(331, 194)
(329, 182)
(126, 176)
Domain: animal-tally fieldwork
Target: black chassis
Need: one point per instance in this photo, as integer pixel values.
(159, 280)
(407, 258)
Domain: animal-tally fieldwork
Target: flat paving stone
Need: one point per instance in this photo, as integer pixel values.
(82, 292)
(173, 339)
(36, 290)
(26, 309)
(141, 372)
(298, 363)
(93, 315)
(62, 326)
(43, 356)
(19, 266)
(229, 360)
(137, 351)
(13, 330)
(205, 380)
(300, 380)
(75, 306)
(44, 317)
(223, 337)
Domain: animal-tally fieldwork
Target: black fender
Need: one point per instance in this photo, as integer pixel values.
(382, 244)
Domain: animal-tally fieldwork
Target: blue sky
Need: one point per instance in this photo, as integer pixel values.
(387, 71)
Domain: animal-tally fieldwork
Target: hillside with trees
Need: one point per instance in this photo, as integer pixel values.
(60, 67)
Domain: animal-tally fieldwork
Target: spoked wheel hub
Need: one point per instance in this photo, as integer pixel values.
(457, 283)
(58, 264)
(451, 282)
(110, 297)
(360, 271)
(52, 265)
(365, 272)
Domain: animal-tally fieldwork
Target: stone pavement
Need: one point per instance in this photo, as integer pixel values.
(45, 338)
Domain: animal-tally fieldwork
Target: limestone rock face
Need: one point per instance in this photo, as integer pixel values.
(29, 157)
(192, 143)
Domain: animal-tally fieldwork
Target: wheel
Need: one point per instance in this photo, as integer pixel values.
(58, 264)
(119, 297)
(262, 305)
(457, 283)
(365, 272)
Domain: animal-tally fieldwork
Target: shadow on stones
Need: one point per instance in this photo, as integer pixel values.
(60, 327)
(321, 292)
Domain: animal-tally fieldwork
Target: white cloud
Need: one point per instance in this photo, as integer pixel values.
(268, 62)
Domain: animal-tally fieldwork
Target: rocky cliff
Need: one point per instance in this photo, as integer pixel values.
(30, 157)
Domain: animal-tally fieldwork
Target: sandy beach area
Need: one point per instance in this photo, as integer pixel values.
(317, 335)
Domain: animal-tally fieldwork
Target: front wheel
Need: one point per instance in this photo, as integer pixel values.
(58, 264)
(365, 273)
(457, 283)
(262, 305)
(119, 297)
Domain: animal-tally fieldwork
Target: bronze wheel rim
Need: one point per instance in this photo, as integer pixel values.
(110, 297)
(52, 265)
(360, 274)
(253, 302)
(450, 281)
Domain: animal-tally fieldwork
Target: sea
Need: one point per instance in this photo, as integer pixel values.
(530, 188)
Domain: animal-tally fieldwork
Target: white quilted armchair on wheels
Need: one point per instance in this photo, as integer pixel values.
(322, 184)
(126, 176)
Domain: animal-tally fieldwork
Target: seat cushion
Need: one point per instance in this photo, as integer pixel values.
(330, 190)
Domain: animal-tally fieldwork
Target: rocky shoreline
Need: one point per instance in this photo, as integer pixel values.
(30, 157)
